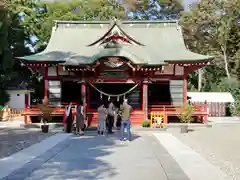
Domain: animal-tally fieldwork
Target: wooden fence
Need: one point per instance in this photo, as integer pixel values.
(7, 113)
(215, 109)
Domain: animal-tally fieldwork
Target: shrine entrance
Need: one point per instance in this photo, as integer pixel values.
(159, 93)
(71, 92)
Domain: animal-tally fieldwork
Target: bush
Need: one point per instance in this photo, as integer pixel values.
(235, 108)
(186, 115)
(4, 97)
(46, 111)
(146, 123)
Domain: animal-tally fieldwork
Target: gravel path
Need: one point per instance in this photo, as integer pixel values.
(15, 139)
(220, 145)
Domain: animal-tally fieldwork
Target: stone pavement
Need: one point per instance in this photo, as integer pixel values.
(103, 158)
(16, 161)
(192, 163)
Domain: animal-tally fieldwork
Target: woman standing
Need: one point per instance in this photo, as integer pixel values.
(102, 115)
(80, 119)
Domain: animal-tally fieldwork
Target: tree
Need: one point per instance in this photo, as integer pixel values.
(41, 20)
(5, 53)
(212, 27)
(155, 9)
(13, 40)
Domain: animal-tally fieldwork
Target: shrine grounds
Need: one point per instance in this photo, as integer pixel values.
(156, 155)
(219, 144)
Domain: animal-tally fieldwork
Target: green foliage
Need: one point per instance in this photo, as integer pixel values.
(13, 39)
(146, 123)
(4, 97)
(212, 27)
(149, 10)
(38, 86)
(40, 22)
(186, 115)
(235, 108)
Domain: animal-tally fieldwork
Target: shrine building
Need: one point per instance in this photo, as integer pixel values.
(146, 62)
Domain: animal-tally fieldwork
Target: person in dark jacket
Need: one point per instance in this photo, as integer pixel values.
(110, 117)
(69, 119)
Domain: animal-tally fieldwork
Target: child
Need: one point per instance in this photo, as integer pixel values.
(102, 115)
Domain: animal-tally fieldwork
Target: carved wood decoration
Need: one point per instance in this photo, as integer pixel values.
(113, 67)
(113, 62)
(114, 36)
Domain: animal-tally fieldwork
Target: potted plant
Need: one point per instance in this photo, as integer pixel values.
(45, 115)
(185, 117)
(146, 123)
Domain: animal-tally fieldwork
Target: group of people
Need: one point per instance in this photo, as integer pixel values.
(79, 122)
(109, 116)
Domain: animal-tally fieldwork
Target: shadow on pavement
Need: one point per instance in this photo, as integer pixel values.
(83, 158)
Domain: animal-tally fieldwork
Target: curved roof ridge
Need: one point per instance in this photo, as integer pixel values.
(116, 24)
(110, 21)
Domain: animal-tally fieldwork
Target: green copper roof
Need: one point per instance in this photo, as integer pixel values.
(162, 42)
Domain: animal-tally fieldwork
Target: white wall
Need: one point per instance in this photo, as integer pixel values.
(17, 100)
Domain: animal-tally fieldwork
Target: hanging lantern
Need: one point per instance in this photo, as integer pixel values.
(100, 96)
(109, 98)
(118, 99)
(124, 97)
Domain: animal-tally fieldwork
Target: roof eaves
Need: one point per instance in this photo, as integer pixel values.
(156, 64)
(81, 22)
(207, 59)
(118, 22)
(149, 22)
(24, 59)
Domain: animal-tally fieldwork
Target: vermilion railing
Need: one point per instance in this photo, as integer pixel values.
(35, 110)
(170, 110)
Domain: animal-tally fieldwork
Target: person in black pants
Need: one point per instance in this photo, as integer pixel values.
(110, 117)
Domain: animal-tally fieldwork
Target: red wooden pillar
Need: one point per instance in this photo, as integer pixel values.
(88, 98)
(84, 100)
(45, 82)
(145, 99)
(185, 84)
(26, 101)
